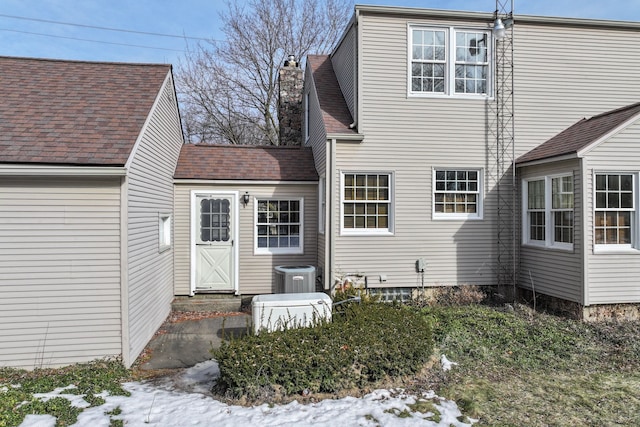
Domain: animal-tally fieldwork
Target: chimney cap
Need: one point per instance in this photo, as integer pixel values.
(291, 61)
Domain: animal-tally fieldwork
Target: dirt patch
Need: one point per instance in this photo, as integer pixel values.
(182, 316)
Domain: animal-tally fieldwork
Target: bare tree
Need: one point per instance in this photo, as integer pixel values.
(228, 90)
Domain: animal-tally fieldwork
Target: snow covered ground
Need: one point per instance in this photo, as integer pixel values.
(188, 404)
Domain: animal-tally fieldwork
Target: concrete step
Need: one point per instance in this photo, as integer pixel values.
(212, 303)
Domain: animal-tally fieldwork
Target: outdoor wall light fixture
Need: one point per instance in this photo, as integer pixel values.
(500, 27)
(499, 30)
(245, 198)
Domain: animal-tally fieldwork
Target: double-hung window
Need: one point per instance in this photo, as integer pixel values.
(536, 217)
(279, 226)
(548, 210)
(366, 203)
(614, 209)
(449, 61)
(562, 209)
(457, 193)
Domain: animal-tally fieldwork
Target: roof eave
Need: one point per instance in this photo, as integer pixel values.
(489, 16)
(244, 181)
(35, 169)
(547, 160)
(350, 137)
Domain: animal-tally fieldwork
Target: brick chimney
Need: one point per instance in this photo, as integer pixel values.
(290, 103)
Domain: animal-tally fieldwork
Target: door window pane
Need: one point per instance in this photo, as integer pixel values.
(214, 220)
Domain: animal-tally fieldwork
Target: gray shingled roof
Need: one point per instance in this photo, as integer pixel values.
(335, 112)
(73, 112)
(245, 162)
(581, 134)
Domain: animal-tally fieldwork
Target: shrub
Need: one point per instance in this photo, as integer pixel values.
(364, 344)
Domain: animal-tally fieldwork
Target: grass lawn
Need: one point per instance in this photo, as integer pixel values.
(518, 368)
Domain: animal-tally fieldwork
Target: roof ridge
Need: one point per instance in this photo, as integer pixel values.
(84, 61)
(617, 110)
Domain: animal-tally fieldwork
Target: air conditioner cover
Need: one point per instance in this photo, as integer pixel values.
(279, 311)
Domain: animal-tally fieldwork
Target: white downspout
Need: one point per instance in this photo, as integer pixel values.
(587, 200)
(333, 213)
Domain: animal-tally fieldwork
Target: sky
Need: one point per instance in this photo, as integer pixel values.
(185, 400)
(26, 29)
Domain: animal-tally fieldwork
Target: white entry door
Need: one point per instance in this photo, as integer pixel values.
(214, 242)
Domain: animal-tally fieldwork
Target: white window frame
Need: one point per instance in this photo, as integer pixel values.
(617, 248)
(271, 251)
(322, 203)
(164, 232)
(552, 211)
(390, 202)
(549, 211)
(478, 215)
(450, 62)
(530, 240)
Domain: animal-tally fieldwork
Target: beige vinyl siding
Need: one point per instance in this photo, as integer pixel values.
(317, 132)
(181, 238)
(613, 278)
(318, 143)
(150, 193)
(565, 73)
(410, 136)
(59, 270)
(344, 64)
(255, 271)
(550, 271)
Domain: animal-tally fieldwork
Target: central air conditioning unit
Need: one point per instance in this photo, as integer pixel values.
(294, 279)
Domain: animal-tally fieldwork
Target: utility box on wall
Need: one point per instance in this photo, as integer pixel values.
(293, 279)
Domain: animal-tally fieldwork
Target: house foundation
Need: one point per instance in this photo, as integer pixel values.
(574, 310)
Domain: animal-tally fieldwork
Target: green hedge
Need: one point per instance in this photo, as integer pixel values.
(363, 344)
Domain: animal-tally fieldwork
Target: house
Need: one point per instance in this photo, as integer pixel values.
(240, 211)
(429, 146)
(406, 119)
(87, 156)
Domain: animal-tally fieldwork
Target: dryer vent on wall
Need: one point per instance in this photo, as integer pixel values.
(291, 279)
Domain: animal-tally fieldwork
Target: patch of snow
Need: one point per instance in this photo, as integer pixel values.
(185, 400)
(39, 421)
(76, 400)
(149, 405)
(446, 363)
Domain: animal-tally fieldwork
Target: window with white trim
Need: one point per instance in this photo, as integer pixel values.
(164, 232)
(562, 209)
(614, 209)
(279, 226)
(366, 202)
(449, 61)
(548, 210)
(536, 217)
(457, 193)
